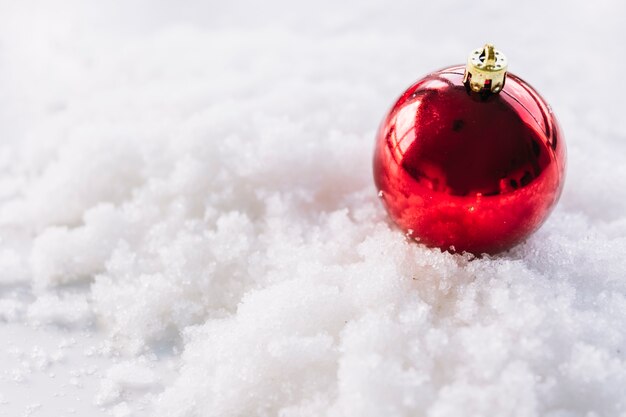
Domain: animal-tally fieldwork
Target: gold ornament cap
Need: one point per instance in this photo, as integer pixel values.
(486, 70)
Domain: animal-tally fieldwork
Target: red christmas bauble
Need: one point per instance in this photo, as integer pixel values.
(467, 168)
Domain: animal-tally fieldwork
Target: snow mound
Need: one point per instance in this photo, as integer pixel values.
(196, 185)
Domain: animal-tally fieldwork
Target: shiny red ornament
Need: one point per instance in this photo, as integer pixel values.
(469, 171)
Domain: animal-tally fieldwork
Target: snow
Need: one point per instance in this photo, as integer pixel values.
(188, 224)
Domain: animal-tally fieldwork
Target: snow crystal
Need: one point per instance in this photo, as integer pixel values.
(68, 310)
(124, 377)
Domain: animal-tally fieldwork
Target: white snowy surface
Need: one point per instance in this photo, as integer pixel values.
(188, 225)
